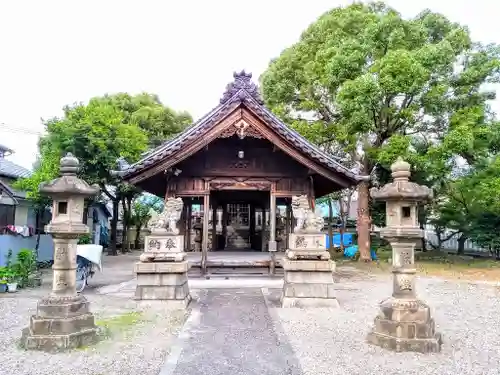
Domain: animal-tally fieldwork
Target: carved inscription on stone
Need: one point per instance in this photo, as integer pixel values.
(300, 241)
(154, 245)
(61, 281)
(170, 244)
(61, 252)
(406, 258)
(76, 210)
(405, 284)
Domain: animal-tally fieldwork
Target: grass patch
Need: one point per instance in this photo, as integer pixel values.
(119, 323)
(439, 264)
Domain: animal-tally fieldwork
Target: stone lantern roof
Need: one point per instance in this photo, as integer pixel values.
(68, 183)
(401, 188)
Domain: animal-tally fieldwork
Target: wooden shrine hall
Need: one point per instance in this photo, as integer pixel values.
(236, 170)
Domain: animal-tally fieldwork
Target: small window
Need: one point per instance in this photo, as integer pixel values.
(62, 208)
(406, 212)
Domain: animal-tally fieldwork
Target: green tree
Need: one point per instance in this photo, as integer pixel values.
(159, 122)
(98, 134)
(382, 86)
(45, 169)
(141, 213)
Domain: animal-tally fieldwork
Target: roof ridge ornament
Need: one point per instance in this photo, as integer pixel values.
(242, 81)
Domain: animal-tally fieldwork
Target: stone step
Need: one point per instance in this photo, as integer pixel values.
(235, 272)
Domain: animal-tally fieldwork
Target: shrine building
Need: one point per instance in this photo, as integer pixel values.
(236, 170)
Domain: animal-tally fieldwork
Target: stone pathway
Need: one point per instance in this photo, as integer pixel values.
(230, 331)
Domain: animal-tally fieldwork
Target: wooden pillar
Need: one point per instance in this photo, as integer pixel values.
(312, 198)
(272, 222)
(183, 222)
(204, 240)
(214, 226)
(252, 224)
(272, 231)
(288, 224)
(224, 223)
(189, 223)
(263, 226)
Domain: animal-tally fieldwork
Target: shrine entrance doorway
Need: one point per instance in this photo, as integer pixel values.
(238, 220)
(238, 236)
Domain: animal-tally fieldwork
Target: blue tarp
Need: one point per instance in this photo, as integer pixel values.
(336, 240)
(350, 251)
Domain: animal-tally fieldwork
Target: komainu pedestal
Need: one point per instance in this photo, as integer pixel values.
(166, 281)
(308, 280)
(162, 272)
(404, 322)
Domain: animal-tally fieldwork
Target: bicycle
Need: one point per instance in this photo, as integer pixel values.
(84, 270)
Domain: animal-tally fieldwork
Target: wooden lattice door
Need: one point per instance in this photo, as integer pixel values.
(238, 226)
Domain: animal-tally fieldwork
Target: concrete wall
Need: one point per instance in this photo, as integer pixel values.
(16, 243)
(103, 221)
(21, 217)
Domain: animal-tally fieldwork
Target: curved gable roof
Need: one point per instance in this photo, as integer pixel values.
(241, 91)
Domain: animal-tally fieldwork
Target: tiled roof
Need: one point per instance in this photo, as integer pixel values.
(10, 169)
(12, 192)
(242, 90)
(5, 149)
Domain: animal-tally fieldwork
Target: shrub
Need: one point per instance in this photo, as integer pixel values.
(21, 269)
(25, 266)
(84, 239)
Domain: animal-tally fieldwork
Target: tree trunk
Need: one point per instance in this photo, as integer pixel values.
(114, 222)
(461, 244)
(363, 222)
(128, 215)
(423, 240)
(125, 226)
(344, 215)
(138, 228)
(330, 226)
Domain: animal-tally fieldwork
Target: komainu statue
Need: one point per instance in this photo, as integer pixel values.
(166, 221)
(307, 220)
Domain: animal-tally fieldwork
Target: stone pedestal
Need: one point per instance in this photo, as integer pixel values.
(63, 319)
(60, 324)
(166, 281)
(404, 322)
(162, 271)
(308, 280)
(405, 325)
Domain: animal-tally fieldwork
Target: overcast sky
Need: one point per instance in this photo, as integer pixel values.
(59, 52)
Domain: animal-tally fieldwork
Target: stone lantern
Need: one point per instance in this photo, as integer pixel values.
(404, 322)
(63, 319)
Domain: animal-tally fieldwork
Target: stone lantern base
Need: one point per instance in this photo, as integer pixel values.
(60, 323)
(405, 325)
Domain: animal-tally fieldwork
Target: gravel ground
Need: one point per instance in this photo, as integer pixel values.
(133, 348)
(332, 341)
(325, 341)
